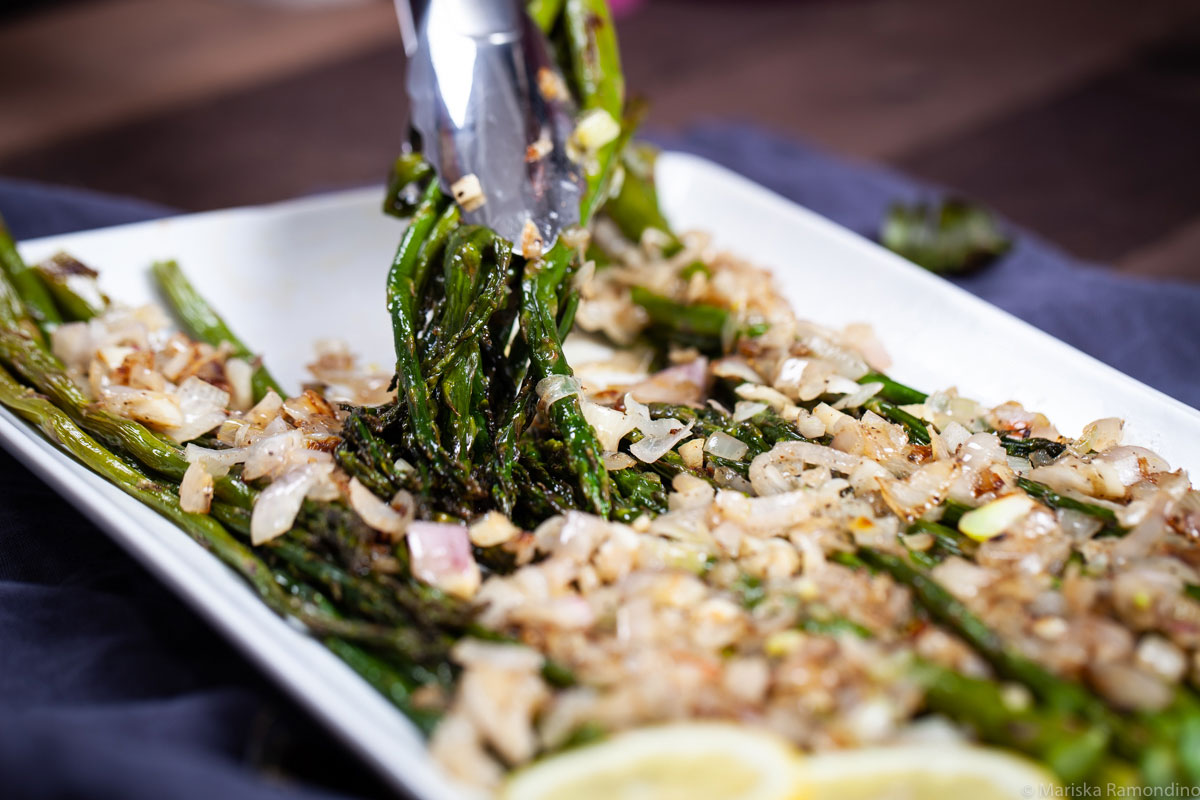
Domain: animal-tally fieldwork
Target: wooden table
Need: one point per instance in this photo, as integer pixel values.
(1077, 118)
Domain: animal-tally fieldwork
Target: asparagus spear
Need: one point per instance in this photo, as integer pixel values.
(1056, 692)
(539, 306)
(206, 531)
(73, 287)
(1072, 748)
(894, 392)
(600, 84)
(1055, 500)
(1150, 738)
(544, 13)
(689, 324)
(205, 324)
(387, 680)
(462, 382)
(395, 682)
(402, 292)
(1026, 448)
(635, 208)
(637, 493)
(409, 171)
(478, 312)
(947, 542)
(917, 432)
(28, 287)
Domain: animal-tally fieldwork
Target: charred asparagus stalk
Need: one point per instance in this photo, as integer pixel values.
(73, 287)
(204, 324)
(27, 286)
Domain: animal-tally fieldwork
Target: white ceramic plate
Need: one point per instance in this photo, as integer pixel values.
(288, 274)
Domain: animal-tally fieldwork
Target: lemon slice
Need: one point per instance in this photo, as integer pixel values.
(925, 772)
(693, 761)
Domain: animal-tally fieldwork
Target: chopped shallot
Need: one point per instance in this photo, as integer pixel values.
(216, 462)
(659, 436)
(202, 407)
(553, 388)
(276, 508)
(441, 556)
(682, 383)
(376, 513)
(468, 193)
(724, 446)
(196, 489)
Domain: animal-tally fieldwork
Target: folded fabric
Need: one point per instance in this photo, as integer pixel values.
(109, 688)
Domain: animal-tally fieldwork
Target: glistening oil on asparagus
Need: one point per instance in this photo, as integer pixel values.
(737, 516)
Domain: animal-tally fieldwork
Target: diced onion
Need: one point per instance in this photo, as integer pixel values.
(609, 424)
(747, 409)
(828, 415)
(269, 455)
(772, 397)
(736, 367)
(441, 556)
(202, 406)
(553, 388)
(682, 383)
(1100, 435)
(239, 372)
(1162, 657)
(276, 508)
(1134, 463)
(921, 491)
(376, 513)
(964, 579)
(114, 356)
(1078, 526)
(265, 410)
(953, 435)
(692, 453)
(614, 461)
(72, 343)
(494, 528)
(862, 337)
(992, 519)
(216, 462)
(723, 445)
(468, 192)
(157, 410)
(655, 446)
(1142, 540)
(857, 396)
(196, 489)
(660, 435)
(531, 241)
(595, 129)
(1129, 688)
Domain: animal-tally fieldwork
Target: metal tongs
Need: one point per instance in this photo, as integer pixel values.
(493, 115)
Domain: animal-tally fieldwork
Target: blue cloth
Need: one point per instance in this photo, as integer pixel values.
(109, 688)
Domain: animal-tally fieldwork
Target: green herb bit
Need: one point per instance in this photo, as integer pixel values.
(949, 238)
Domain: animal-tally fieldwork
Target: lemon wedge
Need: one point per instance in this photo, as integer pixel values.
(692, 761)
(925, 772)
(718, 761)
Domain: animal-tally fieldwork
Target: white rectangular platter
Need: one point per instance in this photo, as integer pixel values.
(288, 274)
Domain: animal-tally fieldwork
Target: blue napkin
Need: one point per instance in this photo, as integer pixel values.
(109, 688)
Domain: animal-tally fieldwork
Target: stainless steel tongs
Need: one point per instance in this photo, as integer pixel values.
(493, 115)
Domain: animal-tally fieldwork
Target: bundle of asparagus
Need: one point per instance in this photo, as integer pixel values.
(488, 418)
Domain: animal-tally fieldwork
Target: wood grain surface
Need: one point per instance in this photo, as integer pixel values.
(1079, 119)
